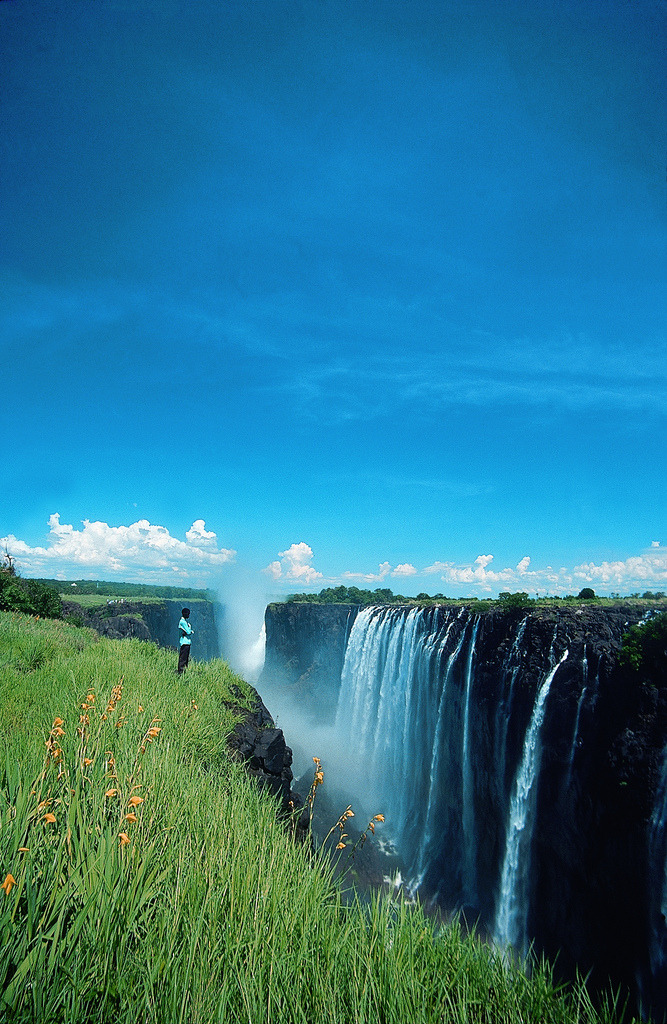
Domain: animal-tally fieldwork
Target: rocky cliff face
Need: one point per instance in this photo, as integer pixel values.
(449, 762)
(261, 747)
(154, 620)
(305, 647)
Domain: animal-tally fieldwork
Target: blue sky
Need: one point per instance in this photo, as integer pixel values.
(336, 291)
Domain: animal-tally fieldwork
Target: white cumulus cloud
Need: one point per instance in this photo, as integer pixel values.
(294, 565)
(404, 570)
(131, 550)
(634, 572)
(199, 536)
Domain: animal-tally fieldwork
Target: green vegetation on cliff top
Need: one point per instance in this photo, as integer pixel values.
(356, 596)
(146, 878)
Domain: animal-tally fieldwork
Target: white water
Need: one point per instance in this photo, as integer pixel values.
(511, 668)
(428, 836)
(468, 806)
(373, 714)
(253, 659)
(391, 714)
(575, 732)
(512, 908)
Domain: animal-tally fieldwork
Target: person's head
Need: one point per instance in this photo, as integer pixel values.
(185, 612)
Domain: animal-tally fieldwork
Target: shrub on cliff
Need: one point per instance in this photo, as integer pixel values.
(28, 596)
(644, 650)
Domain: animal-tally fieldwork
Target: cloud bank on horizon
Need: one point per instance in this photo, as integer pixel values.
(149, 553)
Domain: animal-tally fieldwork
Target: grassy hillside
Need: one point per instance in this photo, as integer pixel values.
(146, 879)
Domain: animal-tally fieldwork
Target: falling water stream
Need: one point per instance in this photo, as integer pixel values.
(512, 912)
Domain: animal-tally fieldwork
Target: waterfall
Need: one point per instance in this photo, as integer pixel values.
(393, 711)
(512, 911)
(407, 705)
(388, 693)
(435, 771)
(468, 807)
(511, 668)
(498, 760)
(575, 732)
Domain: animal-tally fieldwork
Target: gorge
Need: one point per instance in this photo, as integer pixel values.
(519, 766)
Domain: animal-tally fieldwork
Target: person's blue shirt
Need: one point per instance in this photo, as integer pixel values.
(186, 631)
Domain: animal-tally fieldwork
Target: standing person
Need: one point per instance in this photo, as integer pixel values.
(185, 633)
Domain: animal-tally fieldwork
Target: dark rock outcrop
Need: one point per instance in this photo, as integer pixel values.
(261, 747)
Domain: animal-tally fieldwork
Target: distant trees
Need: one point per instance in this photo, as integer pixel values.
(353, 595)
(29, 596)
(519, 600)
(115, 589)
(506, 600)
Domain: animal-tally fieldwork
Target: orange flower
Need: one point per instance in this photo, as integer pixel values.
(124, 838)
(8, 883)
(87, 761)
(341, 846)
(154, 731)
(111, 792)
(131, 817)
(379, 817)
(140, 708)
(57, 731)
(49, 818)
(57, 722)
(134, 801)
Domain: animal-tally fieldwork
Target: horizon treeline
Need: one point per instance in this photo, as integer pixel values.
(115, 589)
(382, 595)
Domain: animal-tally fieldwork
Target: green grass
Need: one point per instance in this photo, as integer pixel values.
(203, 909)
(97, 600)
